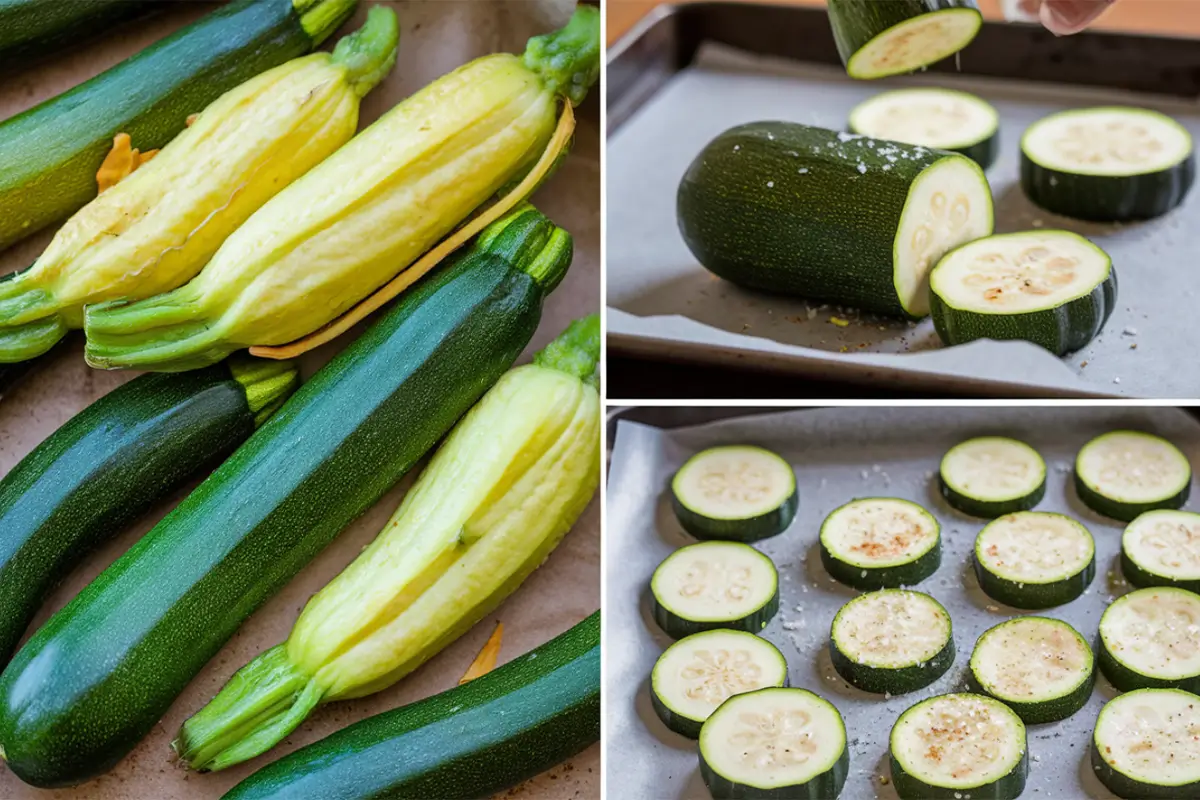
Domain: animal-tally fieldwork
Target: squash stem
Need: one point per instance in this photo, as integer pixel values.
(23, 342)
(320, 18)
(576, 351)
(369, 53)
(268, 384)
(568, 60)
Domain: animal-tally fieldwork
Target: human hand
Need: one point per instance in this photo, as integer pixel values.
(1063, 17)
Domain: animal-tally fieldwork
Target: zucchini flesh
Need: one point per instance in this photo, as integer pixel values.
(943, 119)
(739, 493)
(989, 476)
(1162, 548)
(1122, 474)
(1148, 639)
(880, 543)
(891, 641)
(112, 661)
(1034, 559)
(712, 585)
(876, 39)
(1053, 288)
(771, 206)
(472, 741)
(30, 29)
(1145, 745)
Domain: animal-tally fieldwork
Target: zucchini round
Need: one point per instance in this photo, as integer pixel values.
(774, 743)
(1034, 559)
(1041, 668)
(1053, 288)
(712, 585)
(943, 119)
(1145, 745)
(737, 492)
(990, 476)
(699, 672)
(772, 205)
(892, 641)
(1150, 638)
(1107, 164)
(1123, 474)
(878, 39)
(880, 543)
(1162, 548)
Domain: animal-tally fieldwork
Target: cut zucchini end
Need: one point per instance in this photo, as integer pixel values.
(1123, 474)
(915, 43)
(739, 493)
(944, 119)
(713, 585)
(1145, 745)
(1162, 548)
(990, 476)
(1148, 640)
(892, 641)
(880, 543)
(1035, 559)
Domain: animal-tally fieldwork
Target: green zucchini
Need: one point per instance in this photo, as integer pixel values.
(891, 641)
(880, 543)
(929, 116)
(52, 151)
(772, 206)
(1053, 288)
(31, 29)
(1041, 668)
(1123, 474)
(1162, 548)
(1148, 640)
(990, 476)
(744, 746)
(1145, 745)
(736, 492)
(876, 39)
(1034, 559)
(474, 740)
(110, 663)
(1107, 164)
(713, 585)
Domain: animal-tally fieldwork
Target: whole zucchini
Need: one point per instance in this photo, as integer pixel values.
(496, 499)
(877, 38)
(364, 214)
(30, 29)
(158, 227)
(114, 460)
(472, 741)
(52, 151)
(102, 672)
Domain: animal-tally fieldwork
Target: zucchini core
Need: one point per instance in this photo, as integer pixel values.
(891, 641)
(915, 43)
(1151, 637)
(1147, 744)
(1162, 548)
(1109, 141)
(738, 493)
(1125, 473)
(880, 542)
(1041, 668)
(715, 585)
(1034, 547)
(991, 475)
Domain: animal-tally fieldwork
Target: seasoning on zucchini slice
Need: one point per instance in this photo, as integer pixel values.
(1107, 164)
(700, 672)
(772, 206)
(1162, 548)
(943, 119)
(1150, 638)
(1034, 559)
(739, 493)
(1041, 668)
(1146, 745)
(1053, 288)
(712, 585)
(959, 744)
(989, 476)
(892, 641)
(878, 39)
(774, 743)
(880, 543)
(1123, 474)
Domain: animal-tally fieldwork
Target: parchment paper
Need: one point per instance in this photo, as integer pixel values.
(436, 36)
(662, 302)
(839, 455)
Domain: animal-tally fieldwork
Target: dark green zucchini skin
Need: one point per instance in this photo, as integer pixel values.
(1105, 198)
(1144, 578)
(1039, 712)
(34, 29)
(900, 680)
(678, 627)
(990, 509)
(1009, 787)
(750, 529)
(1126, 512)
(471, 741)
(983, 153)
(1034, 596)
(1127, 680)
(826, 786)
(909, 574)
(856, 22)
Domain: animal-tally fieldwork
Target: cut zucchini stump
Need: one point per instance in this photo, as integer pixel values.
(1162, 548)
(774, 743)
(1107, 164)
(880, 543)
(1123, 474)
(878, 39)
(1034, 559)
(1147, 744)
(959, 744)
(1041, 668)
(712, 585)
(892, 641)
(737, 493)
(1151, 639)
(990, 476)
(1053, 288)
(699, 672)
(939, 118)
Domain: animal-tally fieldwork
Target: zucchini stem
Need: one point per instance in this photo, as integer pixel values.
(369, 53)
(576, 351)
(320, 18)
(568, 60)
(268, 384)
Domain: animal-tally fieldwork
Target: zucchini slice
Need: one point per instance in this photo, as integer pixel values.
(1034, 559)
(1053, 288)
(1041, 668)
(712, 585)
(1107, 164)
(943, 119)
(892, 641)
(1123, 474)
(699, 672)
(880, 543)
(878, 39)
(953, 745)
(1147, 744)
(1150, 638)
(989, 476)
(738, 492)
(774, 743)
(1162, 548)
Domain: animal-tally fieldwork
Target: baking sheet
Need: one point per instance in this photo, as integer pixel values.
(662, 302)
(436, 36)
(842, 454)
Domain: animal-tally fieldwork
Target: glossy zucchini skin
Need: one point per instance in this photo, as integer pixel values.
(857, 22)
(34, 29)
(471, 741)
(1107, 198)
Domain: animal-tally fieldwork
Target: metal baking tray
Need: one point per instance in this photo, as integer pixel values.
(688, 72)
